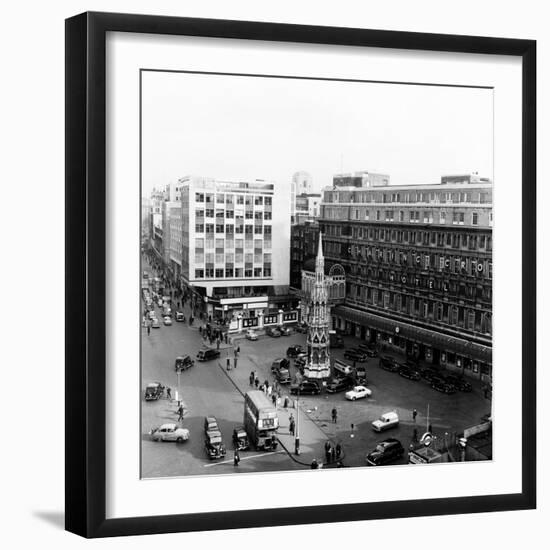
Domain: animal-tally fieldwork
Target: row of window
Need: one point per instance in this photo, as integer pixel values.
(229, 229)
(233, 273)
(442, 197)
(230, 257)
(225, 244)
(463, 317)
(440, 239)
(230, 214)
(229, 198)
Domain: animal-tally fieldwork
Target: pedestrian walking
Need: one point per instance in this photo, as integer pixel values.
(251, 379)
(291, 424)
(228, 364)
(236, 458)
(415, 435)
(200, 329)
(168, 393)
(256, 382)
(334, 414)
(274, 400)
(331, 453)
(217, 343)
(269, 388)
(226, 338)
(338, 451)
(238, 349)
(415, 413)
(180, 413)
(148, 328)
(286, 402)
(235, 359)
(327, 449)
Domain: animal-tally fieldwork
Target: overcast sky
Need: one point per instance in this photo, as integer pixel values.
(233, 127)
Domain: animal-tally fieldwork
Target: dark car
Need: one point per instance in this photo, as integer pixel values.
(429, 374)
(301, 327)
(280, 363)
(208, 354)
(386, 451)
(294, 351)
(285, 331)
(459, 383)
(283, 377)
(240, 439)
(305, 388)
(408, 372)
(355, 355)
(361, 374)
(273, 332)
(300, 363)
(183, 362)
(340, 384)
(154, 391)
(213, 445)
(440, 385)
(368, 349)
(389, 364)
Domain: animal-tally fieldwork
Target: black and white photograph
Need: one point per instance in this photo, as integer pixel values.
(316, 276)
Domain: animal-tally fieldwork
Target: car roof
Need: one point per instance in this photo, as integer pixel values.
(170, 426)
(153, 385)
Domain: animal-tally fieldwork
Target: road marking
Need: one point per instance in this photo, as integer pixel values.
(243, 458)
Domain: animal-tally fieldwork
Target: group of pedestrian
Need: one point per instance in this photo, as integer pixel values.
(332, 453)
(291, 424)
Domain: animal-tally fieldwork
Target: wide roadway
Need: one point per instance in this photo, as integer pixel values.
(206, 391)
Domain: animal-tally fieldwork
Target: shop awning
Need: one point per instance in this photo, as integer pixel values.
(421, 335)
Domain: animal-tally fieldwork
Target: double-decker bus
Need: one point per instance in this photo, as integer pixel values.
(260, 420)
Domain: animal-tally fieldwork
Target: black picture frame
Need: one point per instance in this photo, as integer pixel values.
(86, 275)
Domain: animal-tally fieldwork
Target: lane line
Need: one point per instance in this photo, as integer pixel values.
(243, 458)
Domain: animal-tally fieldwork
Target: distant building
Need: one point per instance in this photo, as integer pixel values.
(145, 220)
(360, 179)
(229, 263)
(418, 265)
(300, 189)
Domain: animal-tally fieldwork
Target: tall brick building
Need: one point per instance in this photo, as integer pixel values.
(418, 262)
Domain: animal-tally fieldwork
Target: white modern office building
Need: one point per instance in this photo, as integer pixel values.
(235, 246)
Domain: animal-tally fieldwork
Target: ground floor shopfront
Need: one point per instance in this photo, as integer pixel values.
(457, 354)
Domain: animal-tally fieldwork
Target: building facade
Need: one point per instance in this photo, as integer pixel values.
(418, 263)
(300, 186)
(229, 262)
(304, 239)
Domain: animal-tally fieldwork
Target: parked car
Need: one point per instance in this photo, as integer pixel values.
(361, 374)
(273, 332)
(180, 317)
(340, 384)
(170, 432)
(155, 323)
(183, 362)
(251, 334)
(285, 331)
(210, 424)
(154, 391)
(358, 392)
(388, 363)
(294, 351)
(240, 439)
(459, 383)
(408, 372)
(300, 363)
(307, 387)
(283, 377)
(280, 363)
(208, 354)
(213, 445)
(301, 327)
(355, 355)
(442, 386)
(385, 422)
(429, 374)
(386, 451)
(167, 320)
(368, 349)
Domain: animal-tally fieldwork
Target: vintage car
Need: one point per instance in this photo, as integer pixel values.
(340, 384)
(283, 376)
(208, 354)
(358, 392)
(407, 372)
(183, 362)
(307, 387)
(213, 445)
(294, 351)
(280, 363)
(273, 332)
(251, 334)
(386, 421)
(155, 323)
(386, 451)
(389, 364)
(301, 327)
(458, 382)
(167, 320)
(355, 355)
(154, 391)
(285, 331)
(368, 349)
(240, 439)
(444, 387)
(180, 317)
(170, 432)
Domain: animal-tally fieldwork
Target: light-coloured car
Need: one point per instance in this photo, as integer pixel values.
(251, 334)
(358, 392)
(155, 323)
(170, 432)
(167, 320)
(386, 421)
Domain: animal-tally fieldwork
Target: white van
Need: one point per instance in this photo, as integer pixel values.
(385, 422)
